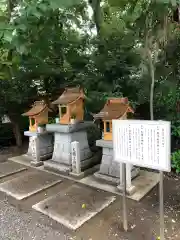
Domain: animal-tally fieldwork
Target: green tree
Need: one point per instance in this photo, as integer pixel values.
(36, 42)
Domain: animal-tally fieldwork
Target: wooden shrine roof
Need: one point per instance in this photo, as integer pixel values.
(37, 108)
(70, 95)
(114, 108)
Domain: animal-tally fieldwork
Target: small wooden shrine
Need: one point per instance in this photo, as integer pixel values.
(38, 115)
(115, 108)
(71, 105)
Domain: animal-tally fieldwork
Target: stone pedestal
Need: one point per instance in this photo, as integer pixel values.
(111, 171)
(40, 147)
(62, 157)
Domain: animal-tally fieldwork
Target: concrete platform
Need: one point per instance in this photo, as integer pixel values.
(75, 205)
(28, 184)
(22, 159)
(10, 168)
(57, 167)
(144, 183)
(65, 171)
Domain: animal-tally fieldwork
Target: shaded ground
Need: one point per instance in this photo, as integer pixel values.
(7, 152)
(19, 221)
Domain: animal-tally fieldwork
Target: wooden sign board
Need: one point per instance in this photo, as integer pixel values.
(142, 143)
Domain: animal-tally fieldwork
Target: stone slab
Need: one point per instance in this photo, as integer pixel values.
(22, 159)
(129, 190)
(37, 164)
(26, 160)
(107, 178)
(57, 167)
(67, 206)
(143, 184)
(24, 186)
(10, 168)
(103, 143)
(69, 128)
(34, 134)
(85, 173)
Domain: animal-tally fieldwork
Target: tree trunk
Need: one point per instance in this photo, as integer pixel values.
(152, 73)
(95, 4)
(16, 131)
(98, 20)
(17, 134)
(10, 6)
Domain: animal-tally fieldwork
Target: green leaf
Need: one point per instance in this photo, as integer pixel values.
(22, 27)
(7, 63)
(165, 1)
(37, 13)
(3, 76)
(117, 3)
(43, 7)
(21, 49)
(8, 36)
(174, 3)
(3, 25)
(56, 4)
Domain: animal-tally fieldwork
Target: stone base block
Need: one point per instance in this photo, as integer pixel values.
(129, 190)
(42, 158)
(88, 171)
(36, 164)
(107, 178)
(115, 180)
(40, 146)
(57, 167)
(46, 157)
(90, 162)
(77, 175)
(67, 170)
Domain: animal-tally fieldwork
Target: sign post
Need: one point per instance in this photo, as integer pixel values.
(161, 206)
(144, 144)
(125, 222)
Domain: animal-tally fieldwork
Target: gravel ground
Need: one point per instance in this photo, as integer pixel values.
(15, 225)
